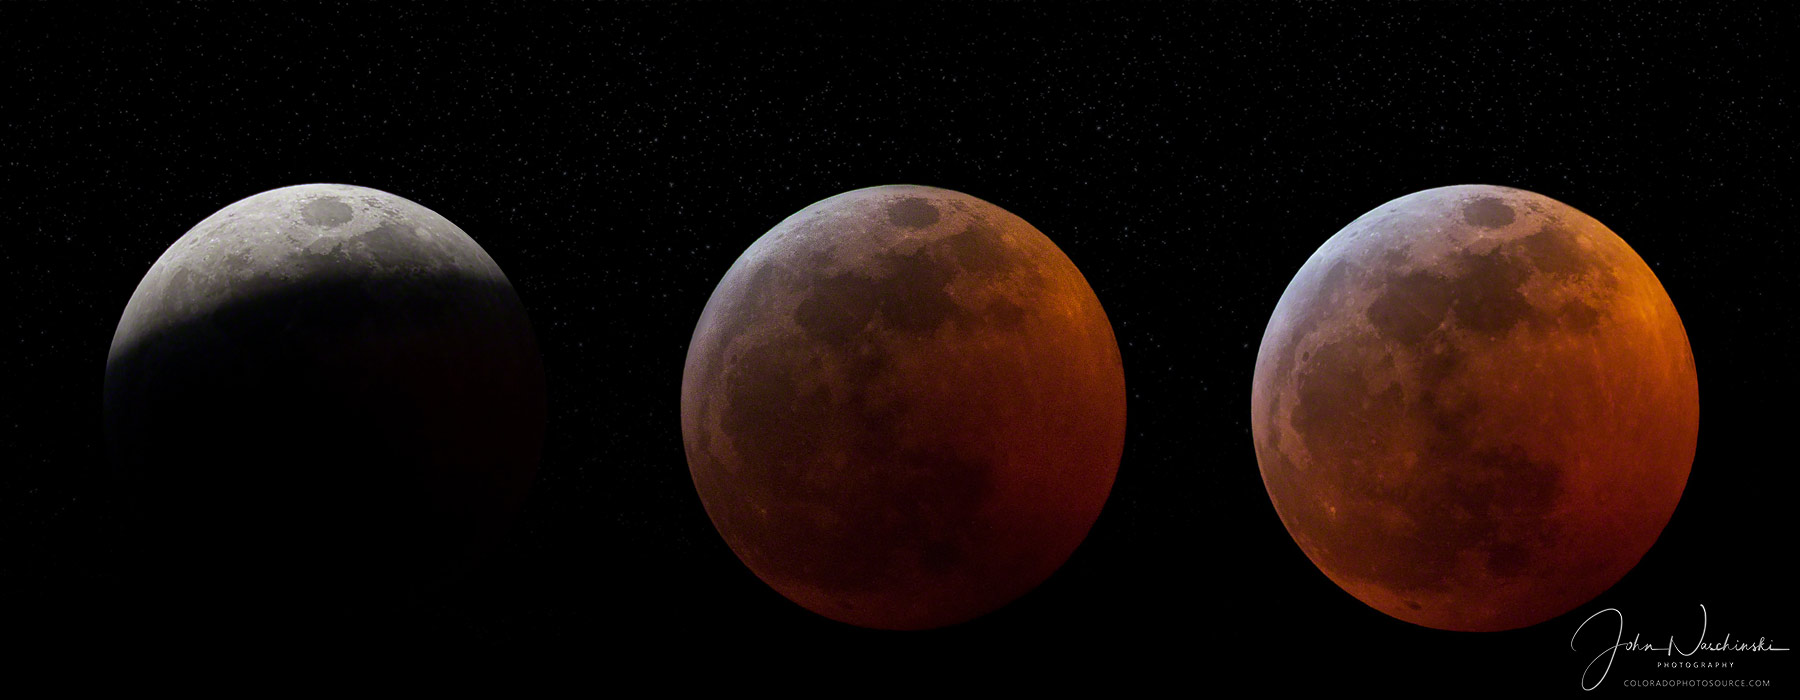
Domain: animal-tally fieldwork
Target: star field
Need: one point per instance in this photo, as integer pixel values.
(615, 158)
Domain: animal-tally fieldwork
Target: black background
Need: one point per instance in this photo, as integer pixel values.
(616, 158)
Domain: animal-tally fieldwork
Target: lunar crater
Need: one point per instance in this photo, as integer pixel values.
(1488, 212)
(912, 212)
(326, 211)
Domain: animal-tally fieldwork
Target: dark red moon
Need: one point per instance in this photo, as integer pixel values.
(903, 407)
(1475, 408)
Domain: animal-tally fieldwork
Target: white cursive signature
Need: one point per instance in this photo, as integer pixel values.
(1700, 644)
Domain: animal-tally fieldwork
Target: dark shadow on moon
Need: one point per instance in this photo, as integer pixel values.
(325, 444)
(393, 245)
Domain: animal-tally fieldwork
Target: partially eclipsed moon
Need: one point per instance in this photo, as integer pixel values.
(903, 407)
(319, 395)
(1475, 408)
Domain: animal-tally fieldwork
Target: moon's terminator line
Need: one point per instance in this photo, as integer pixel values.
(319, 395)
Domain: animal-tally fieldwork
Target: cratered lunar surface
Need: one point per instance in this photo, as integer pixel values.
(1475, 408)
(903, 407)
(318, 393)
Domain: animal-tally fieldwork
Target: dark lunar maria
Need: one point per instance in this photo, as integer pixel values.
(903, 407)
(1475, 408)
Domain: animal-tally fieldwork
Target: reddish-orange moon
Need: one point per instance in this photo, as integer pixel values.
(903, 407)
(1475, 408)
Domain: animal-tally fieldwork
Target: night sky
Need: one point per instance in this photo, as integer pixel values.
(614, 159)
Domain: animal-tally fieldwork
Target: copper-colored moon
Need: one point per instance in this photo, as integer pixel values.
(903, 407)
(1475, 408)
